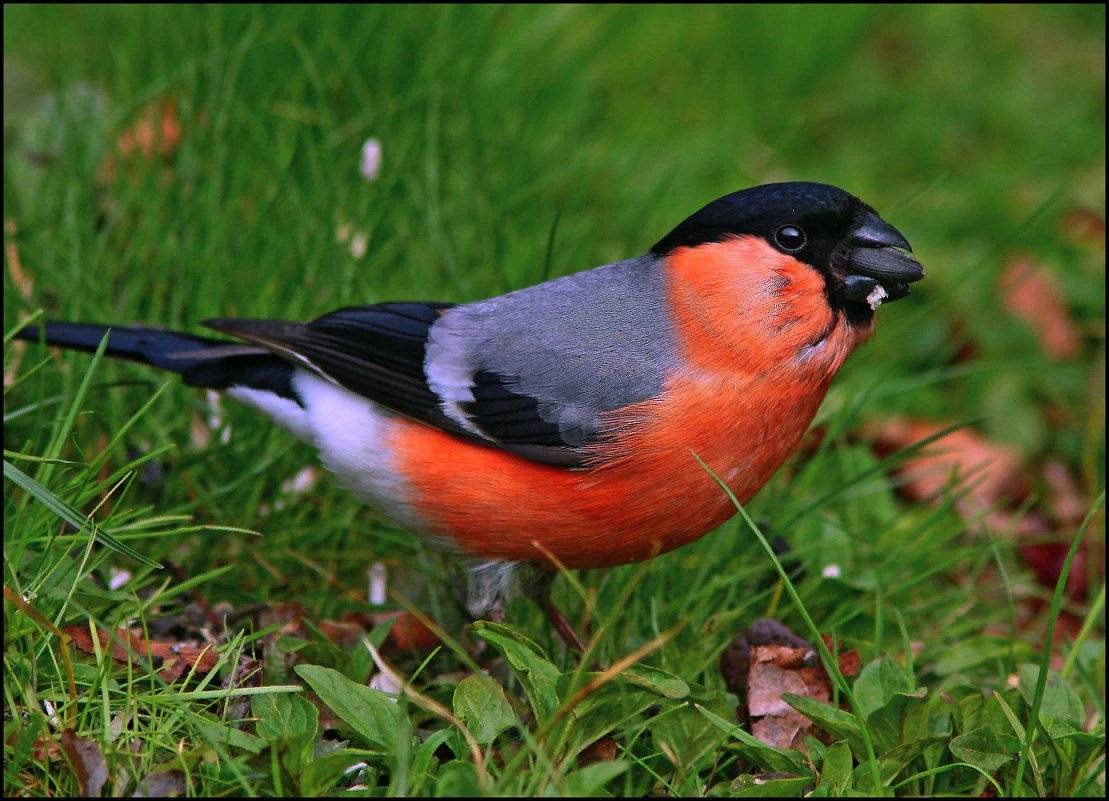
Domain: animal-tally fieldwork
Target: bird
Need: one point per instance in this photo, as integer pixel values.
(564, 425)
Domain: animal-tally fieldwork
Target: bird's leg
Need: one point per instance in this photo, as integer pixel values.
(493, 584)
(536, 584)
(566, 631)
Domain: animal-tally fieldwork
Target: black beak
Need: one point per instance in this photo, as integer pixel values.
(877, 269)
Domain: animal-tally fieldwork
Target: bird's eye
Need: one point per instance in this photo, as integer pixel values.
(790, 238)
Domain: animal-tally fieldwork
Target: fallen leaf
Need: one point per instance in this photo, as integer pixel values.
(88, 762)
(1064, 498)
(176, 657)
(341, 632)
(1029, 293)
(995, 483)
(46, 749)
(156, 131)
(964, 459)
(1086, 227)
(603, 750)
(849, 661)
(288, 615)
(409, 632)
(767, 661)
(161, 784)
(1046, 562)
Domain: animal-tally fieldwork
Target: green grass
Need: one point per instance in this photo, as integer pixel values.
(521, 143)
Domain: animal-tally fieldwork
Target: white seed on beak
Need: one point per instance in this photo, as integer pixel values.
(876, 296)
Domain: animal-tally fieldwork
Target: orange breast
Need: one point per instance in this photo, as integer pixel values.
(741, 414)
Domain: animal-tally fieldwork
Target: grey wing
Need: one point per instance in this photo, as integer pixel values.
(530, 372)
(540, 366)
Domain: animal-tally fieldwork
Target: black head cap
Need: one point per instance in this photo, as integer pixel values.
(807, 220)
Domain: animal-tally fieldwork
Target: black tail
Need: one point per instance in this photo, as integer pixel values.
(200, 361)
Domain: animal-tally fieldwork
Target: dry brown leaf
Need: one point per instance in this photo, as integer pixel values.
(849, 661)
(603, 750)
(20, 280)
(995, 483)
(410, 634)
(88, 762)
(1064, 498)
(1046, 561)
(777, 669)
(156, 131)
(176, 657)
(767, 661)
(1087, 227)
(46, 749)
(1030, 294)
(288, 615)
(341, 632)
(964, 459)
(161, 784)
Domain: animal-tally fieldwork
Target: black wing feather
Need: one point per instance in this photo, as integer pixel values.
(508, 416)
(378, 352)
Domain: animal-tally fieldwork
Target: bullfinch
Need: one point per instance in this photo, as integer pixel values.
(561, 424)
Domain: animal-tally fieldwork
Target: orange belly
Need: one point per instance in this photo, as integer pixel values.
(650, 497)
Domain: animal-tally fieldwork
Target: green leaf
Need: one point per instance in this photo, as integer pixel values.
(878, 683)
(835, 721)
(457, 779)
(976, 710)
(686, 736)
(815, 748)
(372, 714)
(985, 748)
(903, 719)
(589, 780)
(748, 786)
(836, 770)
(604, 710)
(959, 657)
(280, 717)
(1061, 711)
(424, 757)
(536, 673)
(480, 703)
(290, 723)
(862, 780)
(1019, 731)
(656, 680)
(229, 737)
(892, 763)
